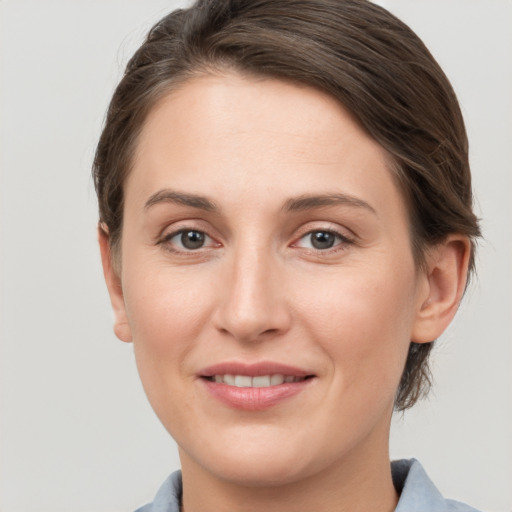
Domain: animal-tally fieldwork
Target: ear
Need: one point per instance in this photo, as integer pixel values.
(446, 275)
(121, 326)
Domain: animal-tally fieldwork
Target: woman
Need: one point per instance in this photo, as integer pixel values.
(286, 226)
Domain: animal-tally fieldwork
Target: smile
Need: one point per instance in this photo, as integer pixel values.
(260, 381)
(254, 387)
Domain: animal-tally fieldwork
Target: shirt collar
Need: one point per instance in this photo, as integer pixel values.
(417, 492)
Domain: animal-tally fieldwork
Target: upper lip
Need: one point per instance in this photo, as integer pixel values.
(253, 369)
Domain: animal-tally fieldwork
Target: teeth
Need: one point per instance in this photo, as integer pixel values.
(275, 380)
(243, 381)
(228, 379)
(261, 381)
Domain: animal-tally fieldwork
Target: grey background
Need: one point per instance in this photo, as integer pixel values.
(76, 433)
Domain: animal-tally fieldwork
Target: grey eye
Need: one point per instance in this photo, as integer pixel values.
(192, 239)
(322, 239)
(186, 240)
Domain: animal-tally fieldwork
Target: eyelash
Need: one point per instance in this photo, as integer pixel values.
(340, 243)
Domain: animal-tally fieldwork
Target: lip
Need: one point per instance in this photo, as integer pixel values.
(253, 398)
(253, 369)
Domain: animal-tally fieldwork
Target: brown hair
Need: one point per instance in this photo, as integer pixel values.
(357, 52)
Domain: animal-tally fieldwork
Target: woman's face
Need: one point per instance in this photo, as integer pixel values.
(265, 244)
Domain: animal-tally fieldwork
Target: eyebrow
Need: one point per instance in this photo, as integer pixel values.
(183, 198)
(294, 204)
(310, 202)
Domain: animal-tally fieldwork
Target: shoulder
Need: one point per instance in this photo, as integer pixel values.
(168, 497)
(418, 493)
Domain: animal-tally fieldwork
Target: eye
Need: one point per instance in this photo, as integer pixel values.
(188, 240)
(321, 240)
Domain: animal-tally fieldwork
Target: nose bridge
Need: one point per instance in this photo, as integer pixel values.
(253, 303)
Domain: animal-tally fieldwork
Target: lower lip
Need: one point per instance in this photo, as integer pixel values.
(255, 399)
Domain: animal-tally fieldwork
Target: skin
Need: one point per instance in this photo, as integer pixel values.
(259, 290)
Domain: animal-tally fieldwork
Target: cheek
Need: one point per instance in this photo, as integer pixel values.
(166, 310)
(363, 322)
(167, 313)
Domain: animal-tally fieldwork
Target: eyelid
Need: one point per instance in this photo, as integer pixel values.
(184, 224)
(173, 234)
(341, 237)
(312, 227)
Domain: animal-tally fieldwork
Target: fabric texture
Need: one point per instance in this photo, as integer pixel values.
(417, 492)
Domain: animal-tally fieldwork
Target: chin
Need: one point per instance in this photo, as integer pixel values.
(258, 460)
(274, 473)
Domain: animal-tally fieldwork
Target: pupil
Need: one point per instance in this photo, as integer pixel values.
(322, 240)
(192, 239)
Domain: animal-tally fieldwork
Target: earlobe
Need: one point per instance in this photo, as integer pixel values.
(446, 275)
(121, 325)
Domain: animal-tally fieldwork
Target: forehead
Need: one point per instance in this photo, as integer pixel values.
(234, 136)
(246, 106)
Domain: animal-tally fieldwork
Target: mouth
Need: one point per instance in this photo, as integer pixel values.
(254, 387)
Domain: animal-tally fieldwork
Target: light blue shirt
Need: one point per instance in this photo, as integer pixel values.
(417, 492)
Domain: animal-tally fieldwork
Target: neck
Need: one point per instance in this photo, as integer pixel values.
(358, 484)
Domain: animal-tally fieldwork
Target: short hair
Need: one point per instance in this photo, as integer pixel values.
(354, 51)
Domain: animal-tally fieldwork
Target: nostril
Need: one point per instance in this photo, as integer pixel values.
(270, 331)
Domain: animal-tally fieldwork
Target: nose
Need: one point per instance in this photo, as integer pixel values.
(253, 304)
